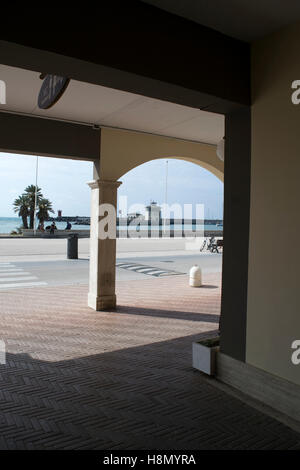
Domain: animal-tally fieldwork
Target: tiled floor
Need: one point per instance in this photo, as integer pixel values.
(78, 379)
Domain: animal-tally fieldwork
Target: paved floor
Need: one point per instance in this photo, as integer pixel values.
(77, 379)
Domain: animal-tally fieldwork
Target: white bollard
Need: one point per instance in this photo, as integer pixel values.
(195, 276)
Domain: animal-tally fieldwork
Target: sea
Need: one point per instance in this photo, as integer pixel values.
(8, 224)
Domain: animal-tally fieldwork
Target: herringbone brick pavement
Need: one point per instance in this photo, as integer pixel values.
(79, 379)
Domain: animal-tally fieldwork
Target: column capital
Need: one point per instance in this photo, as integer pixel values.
(104, 184)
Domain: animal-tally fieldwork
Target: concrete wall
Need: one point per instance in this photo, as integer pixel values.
(121, 151)
(237, 169)
(273, 315)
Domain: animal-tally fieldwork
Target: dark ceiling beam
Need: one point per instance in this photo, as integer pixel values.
(134, 47)
(46, 137)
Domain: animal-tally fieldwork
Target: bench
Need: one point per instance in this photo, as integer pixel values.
(216, 245)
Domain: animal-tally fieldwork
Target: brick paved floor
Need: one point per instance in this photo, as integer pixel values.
(77, 379)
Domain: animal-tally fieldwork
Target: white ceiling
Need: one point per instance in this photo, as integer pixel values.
(107, 107)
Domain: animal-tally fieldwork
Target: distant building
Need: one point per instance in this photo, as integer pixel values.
(153, 212)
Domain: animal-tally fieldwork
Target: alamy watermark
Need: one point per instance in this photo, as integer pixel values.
(166, 221)
(295, 96)
(296, 354)
(2, 92)
(2, 352)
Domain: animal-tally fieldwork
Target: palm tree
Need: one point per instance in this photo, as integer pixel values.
(45, 206)
(25, 205)
(21, 206)
(30, 194)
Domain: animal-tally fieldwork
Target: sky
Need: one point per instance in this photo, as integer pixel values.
(64, 183)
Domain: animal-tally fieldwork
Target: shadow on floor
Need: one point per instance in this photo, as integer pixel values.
(144, 397)
(178, 315)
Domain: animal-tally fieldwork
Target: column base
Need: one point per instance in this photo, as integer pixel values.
(102, 302)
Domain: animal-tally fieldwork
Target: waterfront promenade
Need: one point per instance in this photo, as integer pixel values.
(44, 261)
(44, 249)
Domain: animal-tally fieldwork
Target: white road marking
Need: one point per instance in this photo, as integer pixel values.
(24, 273)
(12, 277)
(131, 266)
(22, 284)
(25, 278)
(140, 270)
(155, 271)
(170, 274)
(7, 270)
(149, 270)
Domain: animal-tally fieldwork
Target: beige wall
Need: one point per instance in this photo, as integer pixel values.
(273, 316)
(121, 151)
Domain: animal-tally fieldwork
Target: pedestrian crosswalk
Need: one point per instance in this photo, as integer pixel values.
(149, 270)
(12, 277)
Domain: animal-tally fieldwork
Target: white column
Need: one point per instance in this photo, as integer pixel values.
(102, 281)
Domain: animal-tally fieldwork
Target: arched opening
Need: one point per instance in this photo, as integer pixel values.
(34, 256)
(210, 167)
(155, 264)
(191, 178)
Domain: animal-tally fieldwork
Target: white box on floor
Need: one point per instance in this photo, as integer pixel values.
(204, 355)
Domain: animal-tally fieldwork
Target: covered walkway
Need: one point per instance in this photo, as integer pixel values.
(77, 379)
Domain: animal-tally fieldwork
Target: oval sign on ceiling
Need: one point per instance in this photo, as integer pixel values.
(51, 91)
